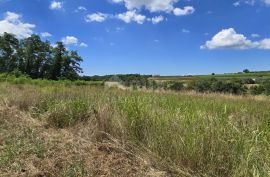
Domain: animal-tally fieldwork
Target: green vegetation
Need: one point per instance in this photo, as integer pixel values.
(37, 59)
(185, 134)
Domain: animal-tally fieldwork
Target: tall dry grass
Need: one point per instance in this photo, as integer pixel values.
(187, 133)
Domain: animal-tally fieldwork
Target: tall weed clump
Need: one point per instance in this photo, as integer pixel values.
(67, 113)
(200, 134)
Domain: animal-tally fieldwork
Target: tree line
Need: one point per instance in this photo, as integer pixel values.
(38, 59)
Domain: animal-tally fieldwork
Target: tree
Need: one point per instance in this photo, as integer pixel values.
(71, 66)
(38, 59)
(8, 52)
(246, 71)
(59, 52)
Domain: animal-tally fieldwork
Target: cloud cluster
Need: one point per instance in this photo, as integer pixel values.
(127, 17)
(56, 5)
(185, 11)
(72, 40)
(45, 34)
(131, 16)
(250, 2)
(151, 5)
(96, 17)
(230, 39)
(12, 23)
(134, 6)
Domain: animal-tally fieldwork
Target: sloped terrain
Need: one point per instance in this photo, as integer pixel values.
(29, 147)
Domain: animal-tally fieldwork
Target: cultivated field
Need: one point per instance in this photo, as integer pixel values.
(60, 130)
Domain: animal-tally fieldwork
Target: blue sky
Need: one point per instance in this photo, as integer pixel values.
(166, 37)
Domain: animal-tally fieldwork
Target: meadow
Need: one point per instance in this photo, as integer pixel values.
(65, 129)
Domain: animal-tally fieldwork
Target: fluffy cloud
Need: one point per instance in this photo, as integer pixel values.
(12, 23)
(82, 44)
(157, 19)
(45, 34)
(56, 5)
(230, 39)
(151, 5)
(70, 40)
(82, 8)
(185, 11)
(156, 6)
(185, 30)
(130, 16)
(96, 17)
(264, 44)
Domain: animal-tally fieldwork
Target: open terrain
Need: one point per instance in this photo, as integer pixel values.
(229, 76)
(60, 130)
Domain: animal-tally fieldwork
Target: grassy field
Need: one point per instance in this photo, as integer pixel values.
(67, 130)
(253, 75)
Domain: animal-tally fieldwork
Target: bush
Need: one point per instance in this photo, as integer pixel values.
(257, 90)
(214, 85)
(65, 114)
(177, 86)
(266, 86)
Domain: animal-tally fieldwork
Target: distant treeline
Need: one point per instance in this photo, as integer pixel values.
(38, 59)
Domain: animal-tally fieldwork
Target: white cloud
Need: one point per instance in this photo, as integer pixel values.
(81, 8)
(156, 6)
(70, 40)
(45, 34)
(264, 44)
(267, 2)
(185, 30)
(130, 16)
(185, 11)
(236, 4)
(12, 23)
(151, 5)
(230, 39)
(255, 35)
(157, 19)
(56, 5)
(82, 44)
(96, 17)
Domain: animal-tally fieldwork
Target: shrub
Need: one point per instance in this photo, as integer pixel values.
(65, 114)
(257, 90)
(266, 86)
(177, 86)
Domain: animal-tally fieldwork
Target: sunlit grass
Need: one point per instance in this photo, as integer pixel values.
(196, 134)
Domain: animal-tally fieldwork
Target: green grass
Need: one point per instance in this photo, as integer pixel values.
(196, 134)
(261, 75)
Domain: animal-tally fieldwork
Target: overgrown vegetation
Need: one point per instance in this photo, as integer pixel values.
(185, 134)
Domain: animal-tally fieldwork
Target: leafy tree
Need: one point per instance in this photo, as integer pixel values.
(38, 59)
(8, 55)
(246, 71)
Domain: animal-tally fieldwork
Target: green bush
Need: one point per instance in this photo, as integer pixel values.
(257, 90)
(176, 86)
(68, 113)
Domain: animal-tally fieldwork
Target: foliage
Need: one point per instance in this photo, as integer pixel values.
(37, 59)
(214, 85)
